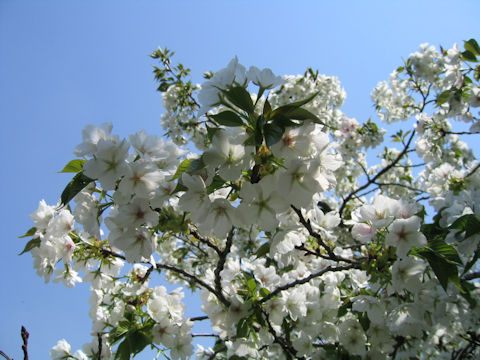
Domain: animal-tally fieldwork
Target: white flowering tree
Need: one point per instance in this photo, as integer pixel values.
(262, 200)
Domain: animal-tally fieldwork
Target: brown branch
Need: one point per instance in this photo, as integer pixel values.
(5, 355)
(308, 226)
(471, 276)
(202, 283)
(198, 318)
(24, 333)
(288, 349)
(204, 335)
(380, 173)
(305, 280)
(205, 241)
(99, 339)
(222, 257)
(195, 279)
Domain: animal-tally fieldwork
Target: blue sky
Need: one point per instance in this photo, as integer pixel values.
(66, 64)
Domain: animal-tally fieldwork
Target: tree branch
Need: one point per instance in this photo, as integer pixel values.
(222, 257)
(305, 280)
(205, 241)
(308, 226)
(380, 173)
(5, 355)
(471, 276)
(24, 333)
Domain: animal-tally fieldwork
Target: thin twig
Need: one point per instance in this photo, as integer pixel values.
(25, 336)
(305, 280)
(380, 173)
(205, 241)
(5, 355)
(99, 338)
(471, 276)
(308, 226)
(222, 257)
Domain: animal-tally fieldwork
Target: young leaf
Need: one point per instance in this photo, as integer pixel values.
(468, 56)
(74, 166)
(289, 107)
(273, 133)
(77, 184)
(469, 223)
(183, 167)
(263, 250)
(267, 109)
(472, 46)
(228, 118)
(443, 269)
(303, 114)
(30, 245)
(443, 97)
(29, 233)
(243, 328)
(240, 97)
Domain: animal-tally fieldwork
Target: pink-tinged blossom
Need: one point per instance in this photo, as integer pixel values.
(61, 350)
(264, 78)
(363, 232)
(219, 218)
(195, 200)
(42, 215)
(108, 163)
(407, 273)
(295, 142)
(403, 234)
(181, 348)
(261, 203)
(229, 154)
(210, 92)
(142, 179)
(297, 183)
(136, 213)
(91, 135)
(352, 337)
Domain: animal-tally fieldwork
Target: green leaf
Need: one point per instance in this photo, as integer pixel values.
(468, 56)
(29, 233)
(228, 118)
(273, 133)
(445, 250)
(444, 270)
(243, 328)
(211, 131)
(263, 250)
(217, 183)
(240, 97)
(252, 284)
(284, 121)
(469, 223)
(289, 107)
(443, 97)
(472, 262)
(264, 292)
(184, 166)
(267, 109)
(303, 114)
(188, 166)
(476, 74)
(134, 342)
(472, 46)
(77, 184)
(30, 245)
(74, 166)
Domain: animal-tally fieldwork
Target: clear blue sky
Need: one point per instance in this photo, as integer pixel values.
(66, 64)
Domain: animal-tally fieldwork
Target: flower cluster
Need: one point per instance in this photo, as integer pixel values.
(298, 248)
